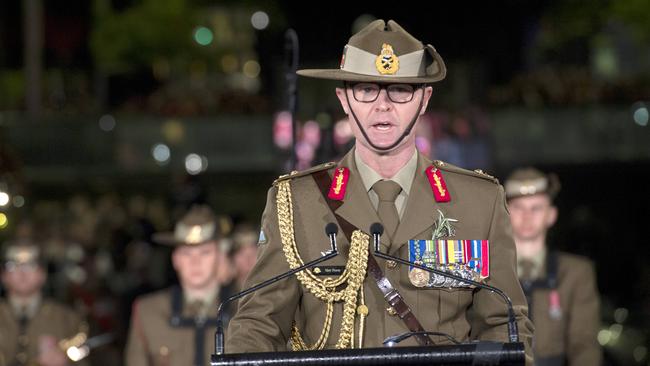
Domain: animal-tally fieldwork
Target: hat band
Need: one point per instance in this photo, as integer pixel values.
(194, 234)
(527, 187)
(362, 62)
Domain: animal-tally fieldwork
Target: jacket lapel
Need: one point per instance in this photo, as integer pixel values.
(420, 212)
(357, 208)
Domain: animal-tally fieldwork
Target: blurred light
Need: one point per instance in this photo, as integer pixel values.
(107, 123)
(229, 64)
(311, 133)
(251, 69)
(260, 20)
(640, 353)
(77, 353)
(604, 336)
(173, 131)
(305, 151)
(19, 201)
(282, 133)
(195, 164)
(203, 36)
(615, 331)
(4, 221)
(641, 115)
(620, 315)
(342, 132)
(161, 153)
(4, 198)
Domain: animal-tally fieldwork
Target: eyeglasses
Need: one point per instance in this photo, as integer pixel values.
(11, 266)
(397, 93)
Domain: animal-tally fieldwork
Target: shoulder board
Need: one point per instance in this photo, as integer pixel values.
(296, 174)
(476, 173)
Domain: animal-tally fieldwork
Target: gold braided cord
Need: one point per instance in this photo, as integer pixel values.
(324, 289)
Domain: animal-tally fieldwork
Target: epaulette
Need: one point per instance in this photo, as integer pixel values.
(296, 174)
(476, 173)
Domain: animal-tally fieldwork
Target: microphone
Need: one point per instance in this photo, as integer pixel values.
(331, 230)
(377, 229)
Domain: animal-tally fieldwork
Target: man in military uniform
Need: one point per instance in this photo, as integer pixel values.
(243, 254)
(176, 326)
(33, 330)
(386, 74)
(560, 287)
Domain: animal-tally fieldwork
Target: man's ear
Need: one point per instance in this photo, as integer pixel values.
(340, 93)
(428, 92)
(551, 218)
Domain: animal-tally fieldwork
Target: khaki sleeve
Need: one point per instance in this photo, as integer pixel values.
(136, 352)
(584, 319)
(489, 311)
(264, 318)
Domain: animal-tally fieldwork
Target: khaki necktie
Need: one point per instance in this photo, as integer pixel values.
(527, 266)
(387, 191)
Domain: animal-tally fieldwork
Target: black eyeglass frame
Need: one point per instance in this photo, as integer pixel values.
(384, 86)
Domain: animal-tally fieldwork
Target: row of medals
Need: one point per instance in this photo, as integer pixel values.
(422, 278)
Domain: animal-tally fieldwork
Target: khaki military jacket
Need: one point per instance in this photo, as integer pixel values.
(568, 337)
(263, 320)
(153, 340)
(51, 319)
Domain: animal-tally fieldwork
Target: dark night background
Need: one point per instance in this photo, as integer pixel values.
(562, 85)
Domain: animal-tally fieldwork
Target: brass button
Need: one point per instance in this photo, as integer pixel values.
(391, 264)
(21, 357)
(391, 311)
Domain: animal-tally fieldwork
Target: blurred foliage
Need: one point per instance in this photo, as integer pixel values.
(12, 88)
(141, 34)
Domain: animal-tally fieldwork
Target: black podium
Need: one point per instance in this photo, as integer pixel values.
(479, 353)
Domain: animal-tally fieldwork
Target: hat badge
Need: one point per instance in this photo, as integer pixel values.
(387, 62)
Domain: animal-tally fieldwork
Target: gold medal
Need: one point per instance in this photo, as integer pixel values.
(419, 277)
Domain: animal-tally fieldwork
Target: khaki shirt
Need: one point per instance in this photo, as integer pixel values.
(46, 318)
(153, 340)
(571, 334)
(263, 320)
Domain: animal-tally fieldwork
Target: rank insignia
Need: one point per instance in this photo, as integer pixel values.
(339, 184)
(468, 259)
(387, 62)
(438, 185)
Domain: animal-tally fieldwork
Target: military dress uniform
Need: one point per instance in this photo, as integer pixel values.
(560, 289)
(264, 319)
(24, 323)
(20, 333)
(168, 328)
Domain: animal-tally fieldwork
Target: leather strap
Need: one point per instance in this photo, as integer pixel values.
(391, 295)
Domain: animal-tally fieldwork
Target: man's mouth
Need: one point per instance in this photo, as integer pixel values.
(382, 126)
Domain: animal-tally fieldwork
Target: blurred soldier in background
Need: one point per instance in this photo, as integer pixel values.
(176, 326)
(560, 287)
(33, 330)
(243, 254)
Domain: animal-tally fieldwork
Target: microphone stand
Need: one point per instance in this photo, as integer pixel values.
(513, 331)
(331, 230)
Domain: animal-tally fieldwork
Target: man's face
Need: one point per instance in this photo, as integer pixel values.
(531, 216)
(196, 266)
(245, 259)
(23, 280)
(383, 119)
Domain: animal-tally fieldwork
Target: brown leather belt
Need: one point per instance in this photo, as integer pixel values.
(391, 295)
